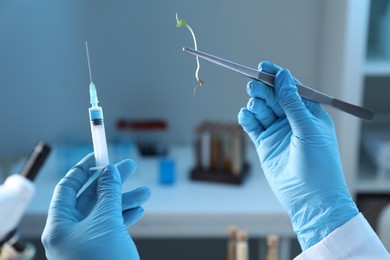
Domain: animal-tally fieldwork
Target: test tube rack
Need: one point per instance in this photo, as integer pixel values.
(219, 153)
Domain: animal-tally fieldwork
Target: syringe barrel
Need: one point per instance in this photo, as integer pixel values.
(98, 136)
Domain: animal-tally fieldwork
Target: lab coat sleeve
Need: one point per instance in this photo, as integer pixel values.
(354, 239)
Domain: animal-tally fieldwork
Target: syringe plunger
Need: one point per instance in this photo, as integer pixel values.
(98, 137)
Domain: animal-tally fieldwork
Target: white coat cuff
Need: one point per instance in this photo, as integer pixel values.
(355, 238)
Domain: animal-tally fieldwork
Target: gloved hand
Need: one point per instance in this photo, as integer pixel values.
(298, 152)
(94, 224)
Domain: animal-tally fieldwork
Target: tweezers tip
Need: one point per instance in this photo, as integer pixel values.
(370, 115)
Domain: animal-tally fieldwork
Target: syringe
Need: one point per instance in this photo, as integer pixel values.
(97, 124)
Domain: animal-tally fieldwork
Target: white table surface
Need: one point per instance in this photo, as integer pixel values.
(187, 208)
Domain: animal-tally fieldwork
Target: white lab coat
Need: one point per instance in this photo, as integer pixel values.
(353, 240)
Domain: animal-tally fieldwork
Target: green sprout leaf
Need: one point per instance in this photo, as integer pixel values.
(180, 22)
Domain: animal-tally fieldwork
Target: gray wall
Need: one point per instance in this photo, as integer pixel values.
(137, 63)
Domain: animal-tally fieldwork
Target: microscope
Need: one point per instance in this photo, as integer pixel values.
(15, 195)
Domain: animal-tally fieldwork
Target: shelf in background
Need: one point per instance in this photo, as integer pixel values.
(373, 186)
(367, 182)
(376, 65)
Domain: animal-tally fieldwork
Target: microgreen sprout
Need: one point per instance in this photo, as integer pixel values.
(180, 23)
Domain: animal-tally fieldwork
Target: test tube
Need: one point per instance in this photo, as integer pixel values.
(214, 152)
(236, 152)
(272, 243)
(242, 250)
(231, 243)
(205, 143)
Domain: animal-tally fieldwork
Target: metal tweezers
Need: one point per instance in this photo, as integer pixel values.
(304, 91)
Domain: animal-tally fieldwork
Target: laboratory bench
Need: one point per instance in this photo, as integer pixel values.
(185, 209)
(369, 182)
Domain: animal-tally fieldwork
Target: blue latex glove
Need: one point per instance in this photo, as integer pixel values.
(298, 152)
(94, 224)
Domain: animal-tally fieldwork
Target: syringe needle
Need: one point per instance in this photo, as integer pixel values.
(89, 64)
(92, 88)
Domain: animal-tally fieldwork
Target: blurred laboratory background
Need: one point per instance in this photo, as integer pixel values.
(145, 84)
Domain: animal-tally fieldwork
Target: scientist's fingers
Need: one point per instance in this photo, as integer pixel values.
(131, 204)
(65, 193)
(126, 168)
(132, 216)
(250, 124)
(259, 90)
(271, 68)
(109, 192)
(262, 112)
(135, 198)
(296, 111)
(86, 200)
